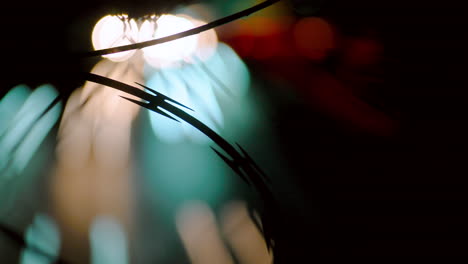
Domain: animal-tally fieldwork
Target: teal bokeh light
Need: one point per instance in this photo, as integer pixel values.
(42, 235)
(25, 124)
(230, 70)
(10, 104)
(199, 86)
(183, 171)
(178, 164)
(108, 242)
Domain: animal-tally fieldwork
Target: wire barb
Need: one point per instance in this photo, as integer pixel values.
(240, 162)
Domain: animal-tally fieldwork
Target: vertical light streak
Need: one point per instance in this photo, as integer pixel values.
(18, 130)
(10, 105)
(27, 119)
(108, 242)
(243, 236)
(94, 168)
(197, 227)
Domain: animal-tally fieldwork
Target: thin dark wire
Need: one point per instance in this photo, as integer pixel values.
(240, 162)
(183, 34)
(17, 237)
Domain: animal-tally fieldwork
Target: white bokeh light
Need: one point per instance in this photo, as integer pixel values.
(171, 53)
(113, 31)
(207, 41)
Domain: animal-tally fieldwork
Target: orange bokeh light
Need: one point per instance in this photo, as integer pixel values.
(314, 38)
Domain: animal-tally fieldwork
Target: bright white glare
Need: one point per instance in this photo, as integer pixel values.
(171, 53)
(42, 234)
(108, 242)
(113, 31)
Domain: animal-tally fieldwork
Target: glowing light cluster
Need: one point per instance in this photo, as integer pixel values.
(199, 86)
(113, 31)
(166, 54)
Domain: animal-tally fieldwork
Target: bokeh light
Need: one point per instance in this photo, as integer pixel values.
(207, 41)
(314, 38)
(243, 236)
(199, 86)
(170, 53)
(207, 239)
(94, 169)
(24, 125)
(199, 232)
(113, 31)
(108, 242)
(10, 105)
(43, 236)
(229, 69)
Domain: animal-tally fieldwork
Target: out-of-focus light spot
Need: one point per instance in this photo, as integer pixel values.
(94, 160)
(35, 137)
(243, 236)
(229, 68)
(202, 93)
(262, 26)
(197, 86)
(44, 236)
(174, 173)
(112, 31)
(314, 38)
(198, 230)
(105, 103)
(10, 105)
(26, 130)
(108, 242)
(171, 53)
(173, 86)
(261, 38)
(207, 42)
